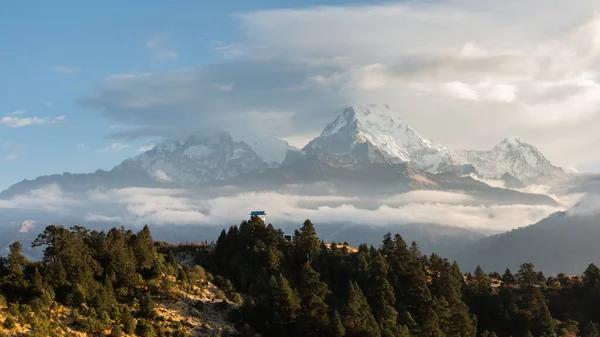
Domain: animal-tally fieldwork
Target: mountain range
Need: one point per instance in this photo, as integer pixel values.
(360, 135)
(366, 151)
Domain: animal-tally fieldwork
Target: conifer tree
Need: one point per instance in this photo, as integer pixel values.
(481, 281)
(306, 242)
(387, 246)
(380, 295)
(284, 300)
(508, 279)
(313, 319)
(526, 276)
(446, 286)
(336, 326)
(143, 247)
(407, 277)
(16, 261)
(358, 318)
(591, 277)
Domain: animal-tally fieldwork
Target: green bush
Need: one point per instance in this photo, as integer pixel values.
(144, 329)
(128, 322)
(237, 299)
(9, 323)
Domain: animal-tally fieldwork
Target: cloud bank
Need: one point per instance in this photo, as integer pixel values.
(138, 206)
(480, 70)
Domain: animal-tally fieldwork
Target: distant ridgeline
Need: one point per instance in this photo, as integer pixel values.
(255, 282)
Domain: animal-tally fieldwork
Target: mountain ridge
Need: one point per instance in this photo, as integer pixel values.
(367, 134)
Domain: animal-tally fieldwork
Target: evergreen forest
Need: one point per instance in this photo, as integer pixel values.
(124, 283)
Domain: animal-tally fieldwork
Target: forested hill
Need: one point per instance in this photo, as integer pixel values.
(123, 283)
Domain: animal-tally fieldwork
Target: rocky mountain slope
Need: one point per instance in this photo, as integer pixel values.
(378, 134)
(196, 160)
(359, 136)
(516, 158)
(563, 242)
(173, 163)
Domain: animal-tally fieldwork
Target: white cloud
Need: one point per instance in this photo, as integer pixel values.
(49, 104)
(222, 87)
(18, 112)
(137, 206)
(114, 147)
(161, 176)
(81, 146)
(146, 148)
(13, 121)
(63, 69)
(156, 44)
(498, 67)
(588, 206)
(10, 157)
(426, 196)
(49, 198)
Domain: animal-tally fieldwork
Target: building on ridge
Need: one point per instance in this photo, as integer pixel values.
(260, 214)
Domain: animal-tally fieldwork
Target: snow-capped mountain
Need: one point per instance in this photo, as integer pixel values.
(198, 160)
(173, 163)
(364, 134)
(378, 134)
(512, 156)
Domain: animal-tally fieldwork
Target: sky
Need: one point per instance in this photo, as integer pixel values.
(85, 85)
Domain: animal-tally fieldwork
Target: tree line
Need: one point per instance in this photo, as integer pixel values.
(306, 288)
(112, 280)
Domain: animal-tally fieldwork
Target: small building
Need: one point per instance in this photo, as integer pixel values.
(260, 214)
(288, 237)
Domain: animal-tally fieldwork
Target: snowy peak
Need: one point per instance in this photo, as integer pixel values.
(517, 158)
(379, 134)
(197, 160)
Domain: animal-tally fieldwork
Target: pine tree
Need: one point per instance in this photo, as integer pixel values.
(284, 300)
(387, 246)
(147, 307)
(591, 277)
(358, 318)
(508, 279)
(306, 242)
(414, 249)
(313, 319)
(336, 326)
(408, 279)
(16, 262)
(116, 331)
(380, 295)
(143, 247)
(526, 276)
(446, 286)
(144, 329)
(481, 281)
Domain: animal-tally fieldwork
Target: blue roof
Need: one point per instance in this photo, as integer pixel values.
(258, 213)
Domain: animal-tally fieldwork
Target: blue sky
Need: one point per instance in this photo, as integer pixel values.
(465, 74)
(56, 52)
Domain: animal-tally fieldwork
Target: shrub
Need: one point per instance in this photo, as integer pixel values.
(144, 329)
(237, 299)
(128, 323)
(9, 323)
